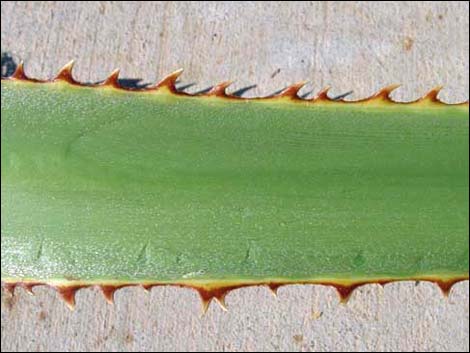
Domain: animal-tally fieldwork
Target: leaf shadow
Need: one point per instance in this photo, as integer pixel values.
(8, 64)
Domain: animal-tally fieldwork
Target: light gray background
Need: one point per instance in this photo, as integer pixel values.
(350, 46)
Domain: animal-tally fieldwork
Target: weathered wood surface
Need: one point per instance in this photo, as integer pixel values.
(349, 46)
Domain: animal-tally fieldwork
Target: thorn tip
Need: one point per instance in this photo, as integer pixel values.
(147, 288)
(169, 81)
(221, 301)
(274, 289)
(29, 289)
(432, 95)
(323, 95)
(19, 73)
(108, 293)
(219, 90)
(68, 296)
(112, 80)
(384, 93)
(292, 90)
(205, 306)
(65, 73)
(10, 288)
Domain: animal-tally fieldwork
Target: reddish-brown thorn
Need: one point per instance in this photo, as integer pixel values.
(112, 80)
(65, 73)
(147, 287)
(108, 293)
(205, 305)
(345, 292)
(292, 90)
(68, 295)
(219, 90)
(383, 283)
(19, 73)
(221, 301)
(446, 286)
(169, 81)
(274, 288)
(323, 95)
(217, 294)
(432, 95)
(384, 93)
(28, 287)
(206, 298)
(10, 288)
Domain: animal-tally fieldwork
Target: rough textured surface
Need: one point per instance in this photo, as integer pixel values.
(350, 46)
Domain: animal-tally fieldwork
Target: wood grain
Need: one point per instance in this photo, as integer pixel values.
(358, 46)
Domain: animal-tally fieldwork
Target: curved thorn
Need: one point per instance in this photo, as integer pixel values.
(108, 293)
(10, 288)
(345, 292)
(19, 73)
(445, 287)
(206, 298)
(112, 80)
(221, 301)
(292, 90)
(65, 73)
(147, 288)
(205, 305)
(431, 96)
(169, 81)
(323, 95)
(383, 283)
(273, 288)
(384, 93)
(29, 289)
(68, 296)
(220, 89)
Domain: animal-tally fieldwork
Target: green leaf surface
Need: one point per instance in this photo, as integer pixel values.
(100, 185)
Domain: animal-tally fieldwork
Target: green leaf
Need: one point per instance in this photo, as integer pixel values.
(104, 186)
